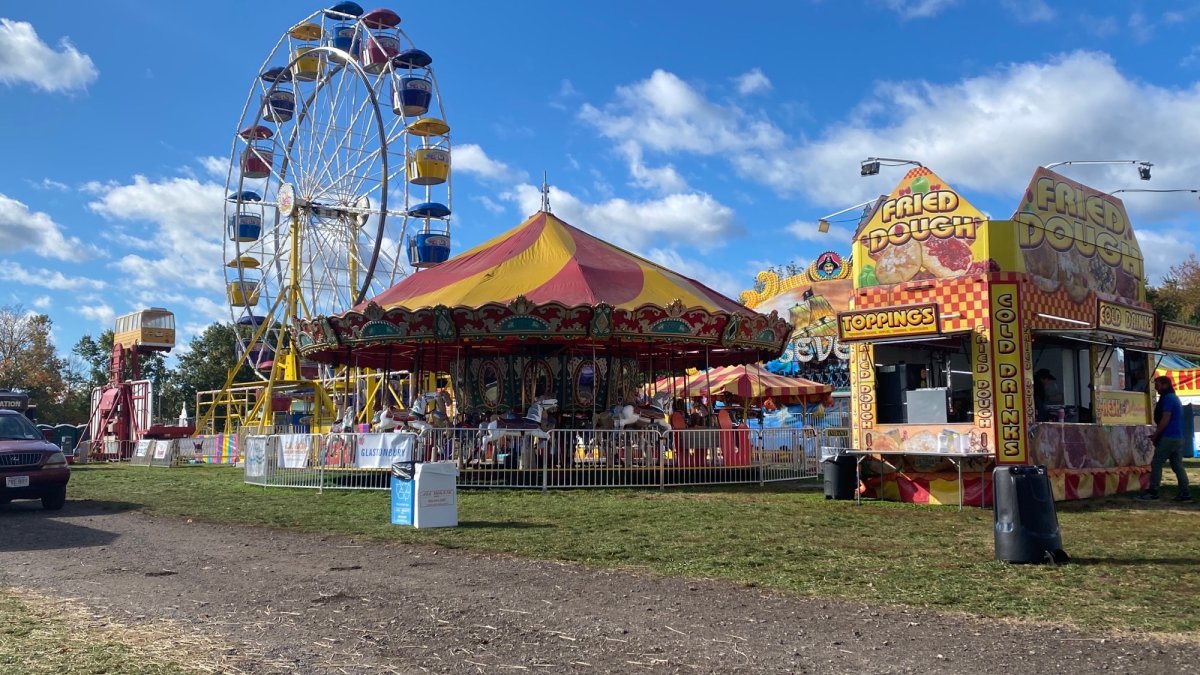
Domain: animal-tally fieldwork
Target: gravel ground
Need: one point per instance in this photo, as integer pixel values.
(280, 601)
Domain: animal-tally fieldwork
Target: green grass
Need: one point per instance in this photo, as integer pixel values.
(1135, 562)
(34, 638)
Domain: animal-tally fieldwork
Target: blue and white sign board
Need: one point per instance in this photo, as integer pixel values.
(402, 501)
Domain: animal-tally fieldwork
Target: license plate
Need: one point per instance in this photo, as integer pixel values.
(16, 481)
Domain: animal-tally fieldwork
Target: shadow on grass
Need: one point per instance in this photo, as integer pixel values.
(1191, 562)
(30, 528)
(492, 525)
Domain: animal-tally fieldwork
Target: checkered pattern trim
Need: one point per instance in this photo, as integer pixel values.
(1036, 301)
(962, 301)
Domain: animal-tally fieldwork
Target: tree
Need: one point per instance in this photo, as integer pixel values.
(1178, 298)
(205, 366)
(28, 361)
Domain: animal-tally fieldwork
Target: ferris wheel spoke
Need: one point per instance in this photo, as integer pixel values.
(343, 151)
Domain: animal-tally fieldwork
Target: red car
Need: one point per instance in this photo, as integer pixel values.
(30, 466)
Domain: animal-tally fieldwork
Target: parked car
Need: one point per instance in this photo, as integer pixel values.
(30, 466)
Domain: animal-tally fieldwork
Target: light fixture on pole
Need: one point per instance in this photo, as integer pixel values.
(1143, 167)
(823, 222)
(870, 166)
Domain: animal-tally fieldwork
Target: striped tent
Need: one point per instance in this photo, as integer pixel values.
(746, 382)
(546, 284)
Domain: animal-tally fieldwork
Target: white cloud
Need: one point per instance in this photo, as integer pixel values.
(987, 133)
(186, 218)
(1030, 11)
(697, 220)
(44, 278)
(216, 167)
(665, 114)
(471, 158)
(51, 184)
(490, 204)
(96, 311)
(918, 9)
(1162, 250)
(1191, 58)
(1140, 27)
(752, 82)
(807, 231)
(21, 228)
(24, 58)
(41, 302)
(663, 179)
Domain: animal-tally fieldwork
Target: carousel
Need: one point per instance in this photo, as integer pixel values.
(545, 327)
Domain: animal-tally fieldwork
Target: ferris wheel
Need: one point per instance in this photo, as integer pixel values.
(340, 162)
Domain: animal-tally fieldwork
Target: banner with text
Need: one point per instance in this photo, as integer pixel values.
(380, 451)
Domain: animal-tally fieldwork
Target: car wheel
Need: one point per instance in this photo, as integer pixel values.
(53, 501)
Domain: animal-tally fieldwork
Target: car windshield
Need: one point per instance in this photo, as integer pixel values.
(18, 428)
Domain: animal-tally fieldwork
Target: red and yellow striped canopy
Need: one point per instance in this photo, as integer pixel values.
(746, 382)
(546, 260)
(545, 283)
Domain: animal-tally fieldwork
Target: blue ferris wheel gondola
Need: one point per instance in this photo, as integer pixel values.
(245, 196)
(429, 210)
(343, 9)
(412, 58)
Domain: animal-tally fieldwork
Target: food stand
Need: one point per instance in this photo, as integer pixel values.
(954, 313)
(1180, 340)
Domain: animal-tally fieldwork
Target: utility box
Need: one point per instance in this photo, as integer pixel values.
(425, 496)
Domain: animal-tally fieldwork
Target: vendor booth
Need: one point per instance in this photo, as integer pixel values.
(1021, 341)
(1179, 343)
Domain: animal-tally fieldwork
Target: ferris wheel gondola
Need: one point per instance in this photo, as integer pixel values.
(342, 151)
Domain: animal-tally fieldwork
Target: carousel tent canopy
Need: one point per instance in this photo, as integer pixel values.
(747, 382)
(546, 260)
(545, 285)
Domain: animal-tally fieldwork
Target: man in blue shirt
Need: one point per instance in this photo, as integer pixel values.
(1168, 441)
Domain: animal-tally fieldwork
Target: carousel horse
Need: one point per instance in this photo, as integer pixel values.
(420, 417)
(344, 424)
(655, 415)
(533, 424)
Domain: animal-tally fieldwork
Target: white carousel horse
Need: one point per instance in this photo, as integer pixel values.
(655, 415)
(533, 424)
(421, 416)
(345, 423)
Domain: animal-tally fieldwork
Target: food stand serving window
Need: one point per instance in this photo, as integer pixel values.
(1062, 380)
(924, 382)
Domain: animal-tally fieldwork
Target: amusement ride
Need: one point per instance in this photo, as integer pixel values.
(340, 162)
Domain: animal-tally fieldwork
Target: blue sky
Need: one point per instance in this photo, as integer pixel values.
(706, 139)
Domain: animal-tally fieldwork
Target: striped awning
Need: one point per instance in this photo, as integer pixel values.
(746, 382)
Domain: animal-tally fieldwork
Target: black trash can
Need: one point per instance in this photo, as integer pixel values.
(1026, 522)
(841, 476)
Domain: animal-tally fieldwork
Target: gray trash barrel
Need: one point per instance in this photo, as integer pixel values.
(1026, 522)
(841, 478)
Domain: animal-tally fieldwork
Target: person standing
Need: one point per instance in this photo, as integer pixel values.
(1168, 441)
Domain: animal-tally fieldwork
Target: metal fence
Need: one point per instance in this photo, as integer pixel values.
(534, 459)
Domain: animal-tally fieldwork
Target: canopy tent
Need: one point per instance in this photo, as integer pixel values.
(549, 285)
(745, 382)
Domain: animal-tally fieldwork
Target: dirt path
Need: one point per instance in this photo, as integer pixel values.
(293, 602)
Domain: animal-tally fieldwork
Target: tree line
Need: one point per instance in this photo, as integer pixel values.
(62, 388)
